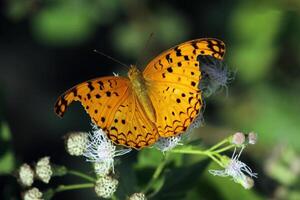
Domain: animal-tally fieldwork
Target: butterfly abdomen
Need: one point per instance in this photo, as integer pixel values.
(140, 89)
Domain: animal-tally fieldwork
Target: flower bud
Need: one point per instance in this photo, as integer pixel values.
(33, 194)
(25, 175)
(247, 183)
(252, 138)
(106, 186)
(76, 143)
(43, 169)
(137, 196)
(238, 138)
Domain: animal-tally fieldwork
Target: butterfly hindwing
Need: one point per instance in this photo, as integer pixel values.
(130, 126)
(110, 103)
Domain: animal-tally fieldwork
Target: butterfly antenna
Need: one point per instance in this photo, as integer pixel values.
(111, 58)
(145, 47)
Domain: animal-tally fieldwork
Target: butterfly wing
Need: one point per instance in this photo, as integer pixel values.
(173, 79)
(111, 104)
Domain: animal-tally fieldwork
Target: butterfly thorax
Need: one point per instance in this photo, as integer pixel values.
(139, 87)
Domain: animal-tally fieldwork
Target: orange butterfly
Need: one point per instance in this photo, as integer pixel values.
(161, 101)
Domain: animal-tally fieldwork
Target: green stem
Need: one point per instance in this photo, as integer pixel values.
(199, 152)
(62, 188)
(225, 148)
(215, 159)
(189, 151)
(81, 175)
(156, 174)
(218, 144)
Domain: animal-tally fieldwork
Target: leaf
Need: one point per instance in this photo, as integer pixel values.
(7, 160)
(180, 180)
(149, 158)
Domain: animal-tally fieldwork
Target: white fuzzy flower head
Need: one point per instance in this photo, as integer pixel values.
(102, 168)
(166, 144)
(252, 138)
(137, 196)
(25, 175)
(106, 186)
(43, 169)
(238, 138)
(101, 150)
(33, 194)
(76, 143)
(236, 169)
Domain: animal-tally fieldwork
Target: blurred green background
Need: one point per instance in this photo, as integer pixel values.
(46, 46)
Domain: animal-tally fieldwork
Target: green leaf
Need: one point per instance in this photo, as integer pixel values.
(7, 160)
(149, 157)
(179, 180)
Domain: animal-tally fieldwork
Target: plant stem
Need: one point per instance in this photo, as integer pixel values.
(218, 144)
(156, 173)
(199, 152)
(189, 151)
(225, 148)
(62, 188)
(215, 159)
(81, 175)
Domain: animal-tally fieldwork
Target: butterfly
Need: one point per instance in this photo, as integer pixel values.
(161, 101)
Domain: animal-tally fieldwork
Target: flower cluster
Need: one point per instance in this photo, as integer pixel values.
(32, 194)
(76, 143)
(240, 172)
(106, 186)
(137, 196)
(26, 175)
(43, 169)
(101, 151)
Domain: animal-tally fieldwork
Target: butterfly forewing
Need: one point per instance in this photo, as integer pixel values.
(173, 79)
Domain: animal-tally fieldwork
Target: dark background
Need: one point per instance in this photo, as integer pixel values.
(46, 47)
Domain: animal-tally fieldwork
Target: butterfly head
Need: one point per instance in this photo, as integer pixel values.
(134, 73)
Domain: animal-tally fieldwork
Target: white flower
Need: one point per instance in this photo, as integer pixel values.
(101, 150)
(166, 144)
(237, 170)
(102, 168)
(106, 186)
(137, 196)
(26, 175)
(115, 74)
(76, 143)
(33, 194)
(43, 169)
